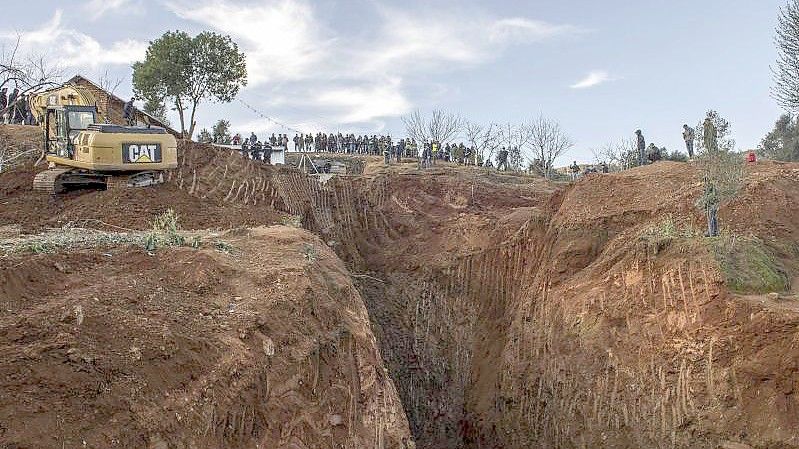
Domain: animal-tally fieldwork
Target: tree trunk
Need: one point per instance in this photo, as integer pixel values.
(192, 123)
(179, 107)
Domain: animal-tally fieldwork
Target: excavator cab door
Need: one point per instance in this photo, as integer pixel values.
(64, 125)
(57, 133)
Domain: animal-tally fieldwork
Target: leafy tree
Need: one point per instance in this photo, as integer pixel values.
(722, 171)
(782, 143)
(786, 72)
(157, 109)
(221, 132)
(186, 71)
(204, 136)
(676, 155)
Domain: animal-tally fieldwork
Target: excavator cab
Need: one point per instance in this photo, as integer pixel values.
(63, 125)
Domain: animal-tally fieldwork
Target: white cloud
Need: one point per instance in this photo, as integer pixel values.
(355, 74)
(520, 29)
(358, 103)
(69, 48)
(281, 39)
(430, 39)
(96, 9)
(594, 78)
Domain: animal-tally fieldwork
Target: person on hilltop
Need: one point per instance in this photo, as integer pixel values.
(710, 200)
(502, 159)
(400, 150)
(688, 135)
(641, 146)
(253, 139)
(12, 98)
(575, 170)
(3, 98)
(653, 153)
(710, 136)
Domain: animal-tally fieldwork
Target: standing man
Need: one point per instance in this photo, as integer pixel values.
(502, 159)
(641, 147)
(127, 112)
(253, 139)
(3, 102)
(575, 169)
(26, 115)
(710, 200)
(400, 150)
(711, 136)
(12, 115)
(688, 136)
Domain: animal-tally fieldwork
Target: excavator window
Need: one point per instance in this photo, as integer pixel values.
(80, 120)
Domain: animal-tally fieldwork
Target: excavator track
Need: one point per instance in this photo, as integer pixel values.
(141, 179)
(49, 180)
(57, 180)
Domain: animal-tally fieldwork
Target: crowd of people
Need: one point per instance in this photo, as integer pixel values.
(373, 145)
(428, 152)
(14, 108)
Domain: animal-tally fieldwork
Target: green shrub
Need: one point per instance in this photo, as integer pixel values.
(165, 232)
(748, 265)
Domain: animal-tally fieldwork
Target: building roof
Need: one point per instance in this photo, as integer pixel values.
(77, 79)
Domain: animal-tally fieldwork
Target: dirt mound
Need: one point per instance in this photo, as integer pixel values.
(222, 208)
(16, 138)
(269, 346)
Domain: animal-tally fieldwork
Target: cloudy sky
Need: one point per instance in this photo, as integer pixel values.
(601, 68)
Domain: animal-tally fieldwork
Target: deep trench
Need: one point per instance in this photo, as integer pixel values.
(562, 327)
(441, 327)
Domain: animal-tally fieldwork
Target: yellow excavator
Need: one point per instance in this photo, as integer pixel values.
(83, 151)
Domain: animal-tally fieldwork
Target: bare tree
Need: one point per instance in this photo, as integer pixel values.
(109, 83)
(620, 155)
(547, 142)
(484, 139)
(514, 137)
(415, 127)
(786, 72)
(440, 127)
(443, 126)
(28, 73)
